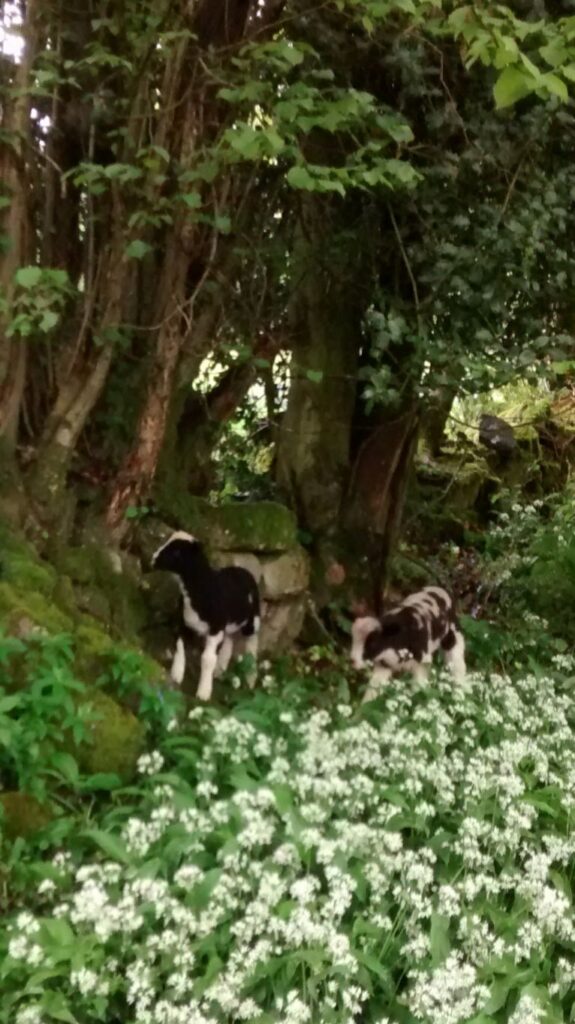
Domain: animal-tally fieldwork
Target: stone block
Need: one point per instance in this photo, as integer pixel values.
(286, 575)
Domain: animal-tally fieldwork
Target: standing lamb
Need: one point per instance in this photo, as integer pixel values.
(405, 639)
(216, 604)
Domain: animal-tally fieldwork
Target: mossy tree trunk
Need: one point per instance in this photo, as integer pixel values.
(314, 435)
(15, 223)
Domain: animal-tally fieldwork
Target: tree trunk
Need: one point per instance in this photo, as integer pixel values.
(15, 225)
(376, 495)
(434, 419)
(80, 392)
(314, 436)
(137, 472)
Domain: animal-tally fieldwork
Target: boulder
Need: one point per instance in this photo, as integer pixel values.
(282, 622)
(116, 738)
(242, 559)
(22, 814)
(285, 575)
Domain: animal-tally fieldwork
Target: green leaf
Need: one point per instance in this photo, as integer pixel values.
(56, 1006)
(192, 199)
(67, 766)
(101, 780)
(223, 223)
(555, 85)
(439, 942)
(299, 177)
(511, 86)
(58, 931)
(110, 844)
(569, 71)
(28, 277)
(138, 249)
(315, 376)
(48, 321)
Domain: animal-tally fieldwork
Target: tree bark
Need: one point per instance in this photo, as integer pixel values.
(314, 436)
(376, 495)
(15, 225)
(137, 472)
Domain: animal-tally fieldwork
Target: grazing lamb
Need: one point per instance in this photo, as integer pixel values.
(216, 604)
(405, 638)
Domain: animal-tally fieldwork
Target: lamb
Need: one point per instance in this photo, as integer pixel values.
(405, 638)
(216, 604)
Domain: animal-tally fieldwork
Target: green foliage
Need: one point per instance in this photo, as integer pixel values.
(39, 301)
(403, 855)
(530, 560)
(522, 50)
(39, 713)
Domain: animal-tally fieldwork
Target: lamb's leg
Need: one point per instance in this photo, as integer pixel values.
(453, 647)
(224, 656)
(178, 669)
(421, 672)
(379, 677)
(252, 646)
(209, 662)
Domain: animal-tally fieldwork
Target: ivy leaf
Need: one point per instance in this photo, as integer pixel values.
(28, 277)
(511, 86)
(315, 376)
(138, 249)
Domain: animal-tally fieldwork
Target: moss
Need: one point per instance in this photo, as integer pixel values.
(108, 595)
(23, 814)
(239, 526)
(17, 605)
(253, 526)
(116, 738)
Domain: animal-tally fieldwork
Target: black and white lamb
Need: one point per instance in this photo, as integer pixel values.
(217, 604)
(406, 637)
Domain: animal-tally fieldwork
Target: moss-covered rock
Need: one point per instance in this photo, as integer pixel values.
(116, 738)
(252, 526)
(22, 814)
(241, 559)
(17, 604)
(103, 588)
(238, 526)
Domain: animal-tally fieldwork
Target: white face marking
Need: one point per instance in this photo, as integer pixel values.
(179, 663)
(257, 623)
(178, 535)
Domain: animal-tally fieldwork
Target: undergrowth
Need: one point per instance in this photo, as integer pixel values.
(295, 856)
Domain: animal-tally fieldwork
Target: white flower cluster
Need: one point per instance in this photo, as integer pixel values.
(310, 866)
(150, 764)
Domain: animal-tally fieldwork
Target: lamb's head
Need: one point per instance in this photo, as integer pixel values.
(360, 630)
(174, 554)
